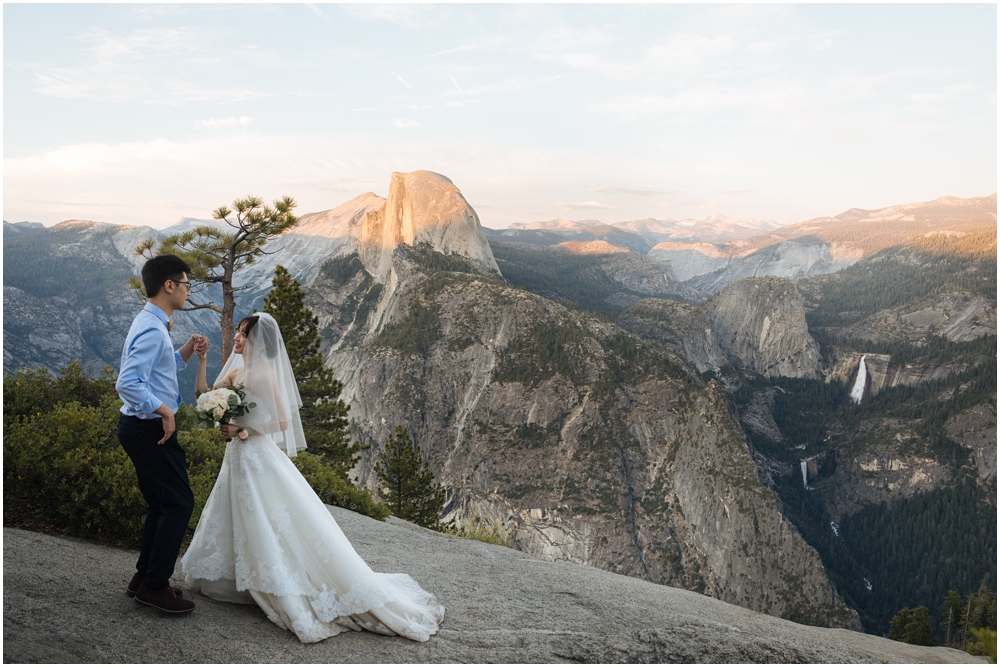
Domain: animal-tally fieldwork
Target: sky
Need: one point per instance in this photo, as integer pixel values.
(145, 114)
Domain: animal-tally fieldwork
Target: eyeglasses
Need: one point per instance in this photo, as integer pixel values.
(186, 283)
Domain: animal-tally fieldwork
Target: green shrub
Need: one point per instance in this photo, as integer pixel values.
(491, 531)
(65, 462)
(62, 459)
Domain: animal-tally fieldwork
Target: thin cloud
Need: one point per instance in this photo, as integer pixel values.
(507, 85)
(457, 49)
(317, 11)
(452, 77)
(151, 65)
(405, 124)
(215, 123)
(684, 54)
(588, 205)
(630, 190)
(401, 80)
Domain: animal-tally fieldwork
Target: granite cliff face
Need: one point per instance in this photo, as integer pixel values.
(312, 241)
(756, 324)
(683, 327)
(806, 256)
(423, 207)
(592, 446)
(761, 323)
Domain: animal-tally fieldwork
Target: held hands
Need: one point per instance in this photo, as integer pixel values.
(201, 345)
(190, 346)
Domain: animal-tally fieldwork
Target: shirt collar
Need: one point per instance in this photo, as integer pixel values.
(160, 315)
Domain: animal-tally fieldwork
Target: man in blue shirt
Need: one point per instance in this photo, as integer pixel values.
(147, 385)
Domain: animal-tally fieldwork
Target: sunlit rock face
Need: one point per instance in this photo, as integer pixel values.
(761, 323)
(312, 241)
(423, 207)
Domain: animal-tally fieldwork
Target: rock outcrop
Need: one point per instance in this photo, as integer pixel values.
(423, 207)
(592, 446)
(976, 429)
(313, 240)
(683, 327)
(693, 259)
(806, 256)
(756, 324)
(761, 324)
(502, 606)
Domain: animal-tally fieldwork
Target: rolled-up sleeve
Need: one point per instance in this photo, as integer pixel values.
(133, 379)
(181, 364)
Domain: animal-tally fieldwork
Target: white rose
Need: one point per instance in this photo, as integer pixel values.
(218, 412)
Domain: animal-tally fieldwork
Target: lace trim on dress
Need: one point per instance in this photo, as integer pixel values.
(328, 605)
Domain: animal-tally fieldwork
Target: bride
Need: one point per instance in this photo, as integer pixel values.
(265, 537)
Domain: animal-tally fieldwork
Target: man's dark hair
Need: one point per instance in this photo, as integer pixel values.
(159, 270)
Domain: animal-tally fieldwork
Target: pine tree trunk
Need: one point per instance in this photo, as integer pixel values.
(228, 308)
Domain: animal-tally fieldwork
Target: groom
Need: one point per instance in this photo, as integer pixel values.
(147, 385)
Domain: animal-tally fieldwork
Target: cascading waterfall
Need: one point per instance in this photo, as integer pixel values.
(859, 385)
(805, 473)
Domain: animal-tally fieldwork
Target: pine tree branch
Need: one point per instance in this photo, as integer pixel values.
(202, 306)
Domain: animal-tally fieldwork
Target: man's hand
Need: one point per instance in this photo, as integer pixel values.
(187, 349)
(169, 425)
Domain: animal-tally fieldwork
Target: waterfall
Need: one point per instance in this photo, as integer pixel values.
(859, 385)
(805, 473)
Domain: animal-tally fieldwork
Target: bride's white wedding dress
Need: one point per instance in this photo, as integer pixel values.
(265, 537)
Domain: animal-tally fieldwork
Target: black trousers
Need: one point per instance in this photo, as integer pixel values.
(163, 481)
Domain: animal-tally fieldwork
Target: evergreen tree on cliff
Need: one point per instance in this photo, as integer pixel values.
(952, 616)
(215, 255)
(912, 626)
(407, 484)
(324, 415)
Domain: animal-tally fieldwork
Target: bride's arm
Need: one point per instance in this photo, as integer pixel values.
(201, 383)
(226, 381)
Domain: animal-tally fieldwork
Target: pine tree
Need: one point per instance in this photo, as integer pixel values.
(912, 626)
(952, 615)
(324, 416)
(919, 630)
(215, 256)
(897, 626)
(407, 484)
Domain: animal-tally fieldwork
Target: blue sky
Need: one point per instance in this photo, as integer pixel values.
(143, 114)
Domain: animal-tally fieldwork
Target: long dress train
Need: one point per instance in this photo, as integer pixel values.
(265, 537)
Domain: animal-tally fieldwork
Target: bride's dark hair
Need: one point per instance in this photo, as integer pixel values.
(247, 324)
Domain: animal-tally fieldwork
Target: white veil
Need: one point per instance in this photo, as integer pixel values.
(270, 384)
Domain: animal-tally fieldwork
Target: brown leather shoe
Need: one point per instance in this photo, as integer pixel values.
(168, 599)
(137, 579)
(133, 585)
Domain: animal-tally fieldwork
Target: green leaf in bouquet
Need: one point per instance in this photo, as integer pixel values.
(234, 400)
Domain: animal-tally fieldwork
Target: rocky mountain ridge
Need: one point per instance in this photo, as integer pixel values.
(618, 448)
(823, 245)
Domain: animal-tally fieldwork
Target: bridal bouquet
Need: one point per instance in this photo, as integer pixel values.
(222, 405)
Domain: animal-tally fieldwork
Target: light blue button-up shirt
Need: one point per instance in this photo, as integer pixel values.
(148, 375)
